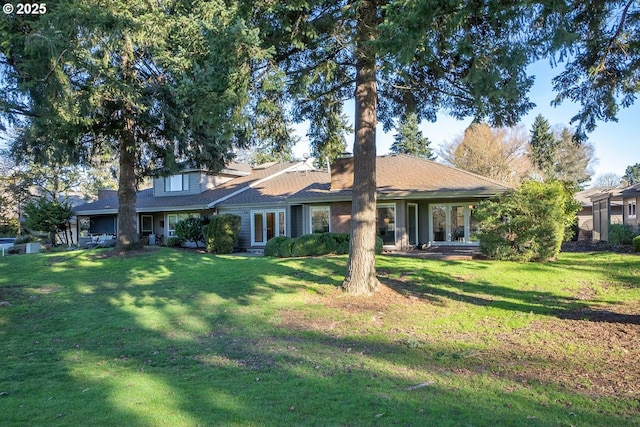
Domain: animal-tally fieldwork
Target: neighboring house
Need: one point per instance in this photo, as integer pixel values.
(607, 210)
(630, 202)
(585, 215)
(419, 201)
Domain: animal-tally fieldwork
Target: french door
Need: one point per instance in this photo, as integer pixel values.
(266, 224)
(451, 223)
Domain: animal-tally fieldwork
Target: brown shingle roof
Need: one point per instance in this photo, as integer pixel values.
(146, 201)
(397, 176)
(401, 172)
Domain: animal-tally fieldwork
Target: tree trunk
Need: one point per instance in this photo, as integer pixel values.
(361, 270)
(127, 219)
(127, 230)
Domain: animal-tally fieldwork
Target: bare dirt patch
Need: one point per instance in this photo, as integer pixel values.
(591, 351)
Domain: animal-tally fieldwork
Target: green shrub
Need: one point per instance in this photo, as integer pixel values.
(636, 244)
(174, 242)
(528, 224)
(190, 229)
(312, 245)
(315, 245)
(223, 233)
(620, 234)
(342, 243)
(279, 246)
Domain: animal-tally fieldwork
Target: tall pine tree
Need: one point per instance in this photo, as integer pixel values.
(543, 145)
(465, 58)
(409, 139)
(151, 82)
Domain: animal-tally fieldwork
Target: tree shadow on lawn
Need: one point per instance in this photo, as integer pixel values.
(437, 287)
(158, 354)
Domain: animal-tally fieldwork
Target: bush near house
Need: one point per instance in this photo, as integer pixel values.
(636, 244)
(312, 245)
(223, 233)
(620, 234)
(190, 229)
(528, 224)
(175, 242)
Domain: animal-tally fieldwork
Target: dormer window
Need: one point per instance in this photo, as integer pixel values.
(176, 183)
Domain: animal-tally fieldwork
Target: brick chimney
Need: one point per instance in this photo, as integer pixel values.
(107, 194)
(342, 173)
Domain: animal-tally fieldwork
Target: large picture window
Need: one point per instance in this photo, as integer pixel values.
(176, 183)
(320, 219)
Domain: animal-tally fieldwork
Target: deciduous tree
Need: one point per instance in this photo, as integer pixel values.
(500, 154)
(607, 180)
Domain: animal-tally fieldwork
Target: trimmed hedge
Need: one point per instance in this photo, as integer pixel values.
(174, 242)
(312, 245)
(223, 233)
(636, 244)
(279, 247)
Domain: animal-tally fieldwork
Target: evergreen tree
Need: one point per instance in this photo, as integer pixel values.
(543, 145)
(572, 160)
(409, 139)
(466, 58)
(151, 83)
(632, 173)
(600, 42)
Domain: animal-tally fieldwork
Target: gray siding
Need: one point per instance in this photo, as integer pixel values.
(197, 184)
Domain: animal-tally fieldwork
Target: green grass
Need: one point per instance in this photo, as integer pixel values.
(175, 338)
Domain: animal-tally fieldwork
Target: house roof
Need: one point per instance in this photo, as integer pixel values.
(584, 197)
(146, 202)
(397, 176)
(632, 191)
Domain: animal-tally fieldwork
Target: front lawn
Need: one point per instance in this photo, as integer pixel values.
(176, 338)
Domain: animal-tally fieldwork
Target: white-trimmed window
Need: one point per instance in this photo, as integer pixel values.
(631, 209)
(320, 219)
(173, 219)
(386, 223)
(178, 182)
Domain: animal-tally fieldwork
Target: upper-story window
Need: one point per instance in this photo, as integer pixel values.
(176, 183)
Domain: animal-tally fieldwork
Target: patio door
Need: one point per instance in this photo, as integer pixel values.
(265, 225)
(450, 223)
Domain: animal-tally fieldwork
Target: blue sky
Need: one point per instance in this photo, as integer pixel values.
(616, 143)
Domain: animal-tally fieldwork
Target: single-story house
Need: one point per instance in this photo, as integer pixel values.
(418, 201)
